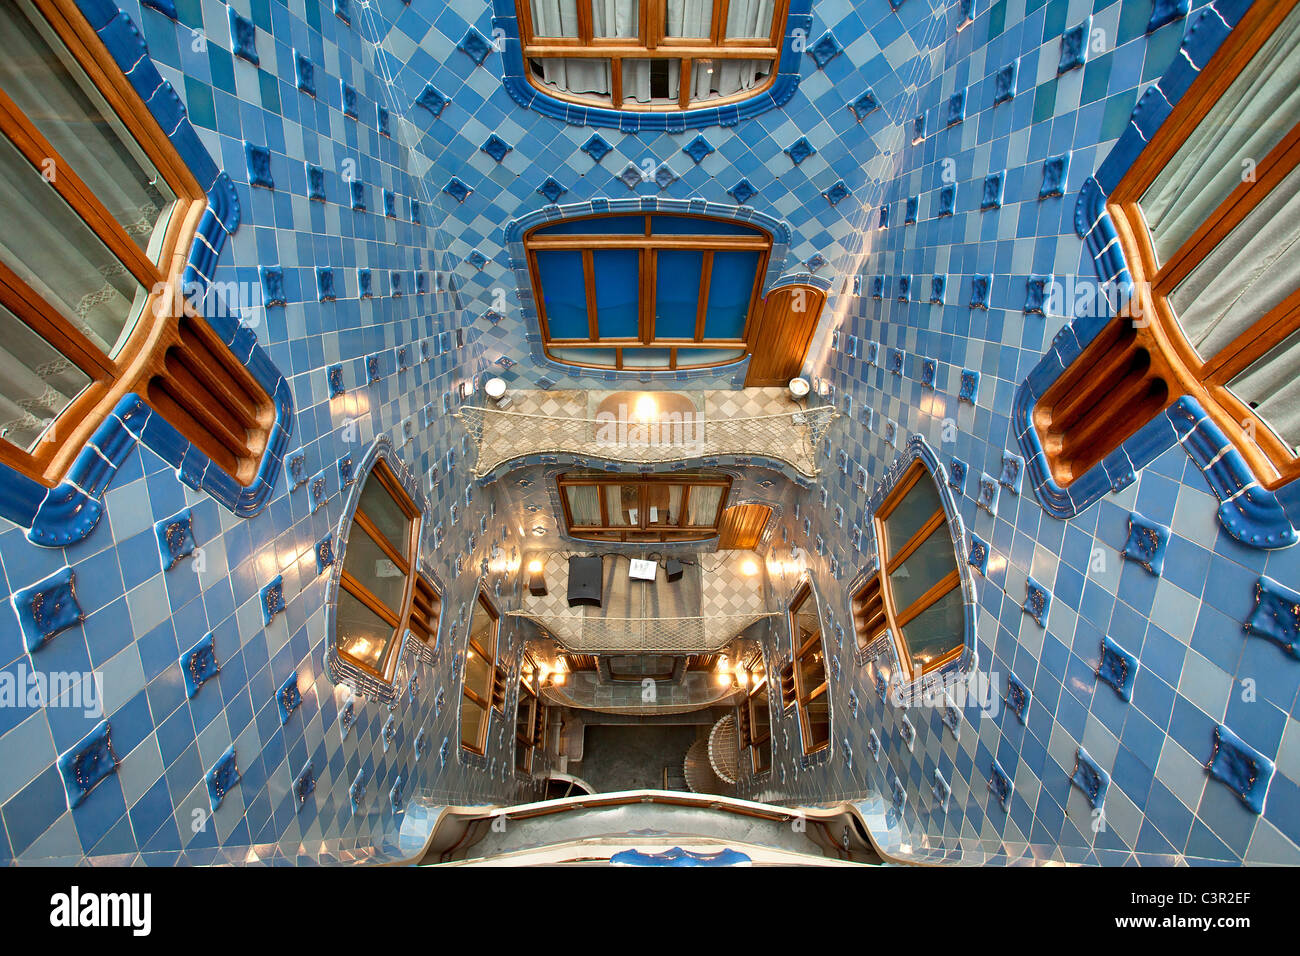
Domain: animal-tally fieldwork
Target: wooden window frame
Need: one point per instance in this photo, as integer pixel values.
(496, 692)
(793, 672)
(877, 587)
(651, 44)
(648, 245)
(644, 531)
(171, 357)
(760, 746)
(1149, 326)
(528, 744)
(421, 604)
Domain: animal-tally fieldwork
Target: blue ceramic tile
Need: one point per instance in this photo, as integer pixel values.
(1241, 768)
(47, 608)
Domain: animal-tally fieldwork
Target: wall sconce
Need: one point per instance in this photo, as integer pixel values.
(536, 578)
(496, 390)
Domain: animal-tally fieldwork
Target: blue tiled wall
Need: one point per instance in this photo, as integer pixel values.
(139, 618)
(1197, 665)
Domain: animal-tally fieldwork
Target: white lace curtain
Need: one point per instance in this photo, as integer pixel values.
(46, 243)
(684, 18)
(1249, 119)
(1256, 266)
(584, 505)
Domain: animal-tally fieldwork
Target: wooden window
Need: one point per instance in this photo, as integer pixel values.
(382, 595)
(681, 506)
(1209, 220)
(756, 720)
(647, 291)
(803, 679)
(652, 54)
(917, 593)
(485, 678)
(100, 213)
(530, 725)
(580, 662)
(742, 527)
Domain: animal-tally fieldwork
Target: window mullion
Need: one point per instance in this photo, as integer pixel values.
(930, 597)
(368, 598)
(919, 537)
(589, 285)
(372, 532)
(719, 31)
(585, 32)
(1263, 334)
(649, 278)
(702, 307)
(49, 323)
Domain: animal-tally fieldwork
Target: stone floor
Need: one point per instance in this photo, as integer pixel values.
(632, 757)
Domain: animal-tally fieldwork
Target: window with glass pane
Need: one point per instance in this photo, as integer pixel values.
(1211, 233)
(484, 687)
(528, 725)
(661, 291)
(382, 595)
(917, 593)
(804, 678)
(678, 507)
(97, 202)
(755, 719)
(652, 54)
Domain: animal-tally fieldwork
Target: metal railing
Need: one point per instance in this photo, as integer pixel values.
(789, 437)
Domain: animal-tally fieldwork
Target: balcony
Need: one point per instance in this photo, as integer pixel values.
(698, 614)
(761, 424)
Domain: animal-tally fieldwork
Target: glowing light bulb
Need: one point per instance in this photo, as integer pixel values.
(646, 408)
(534, 566)
(749, 568)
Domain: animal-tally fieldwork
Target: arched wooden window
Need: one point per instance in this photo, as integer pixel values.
(652, 54)
(916, 595)
(644, 292)
(382, 593)
(1209, 220)
(99, 215)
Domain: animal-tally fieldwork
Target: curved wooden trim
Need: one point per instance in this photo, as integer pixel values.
(1173, 358)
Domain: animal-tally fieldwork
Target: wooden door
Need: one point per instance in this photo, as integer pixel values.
(786, 324)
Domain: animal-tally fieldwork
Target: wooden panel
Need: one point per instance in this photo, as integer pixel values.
(742, 527)
(785, 330)
(1110, 391)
